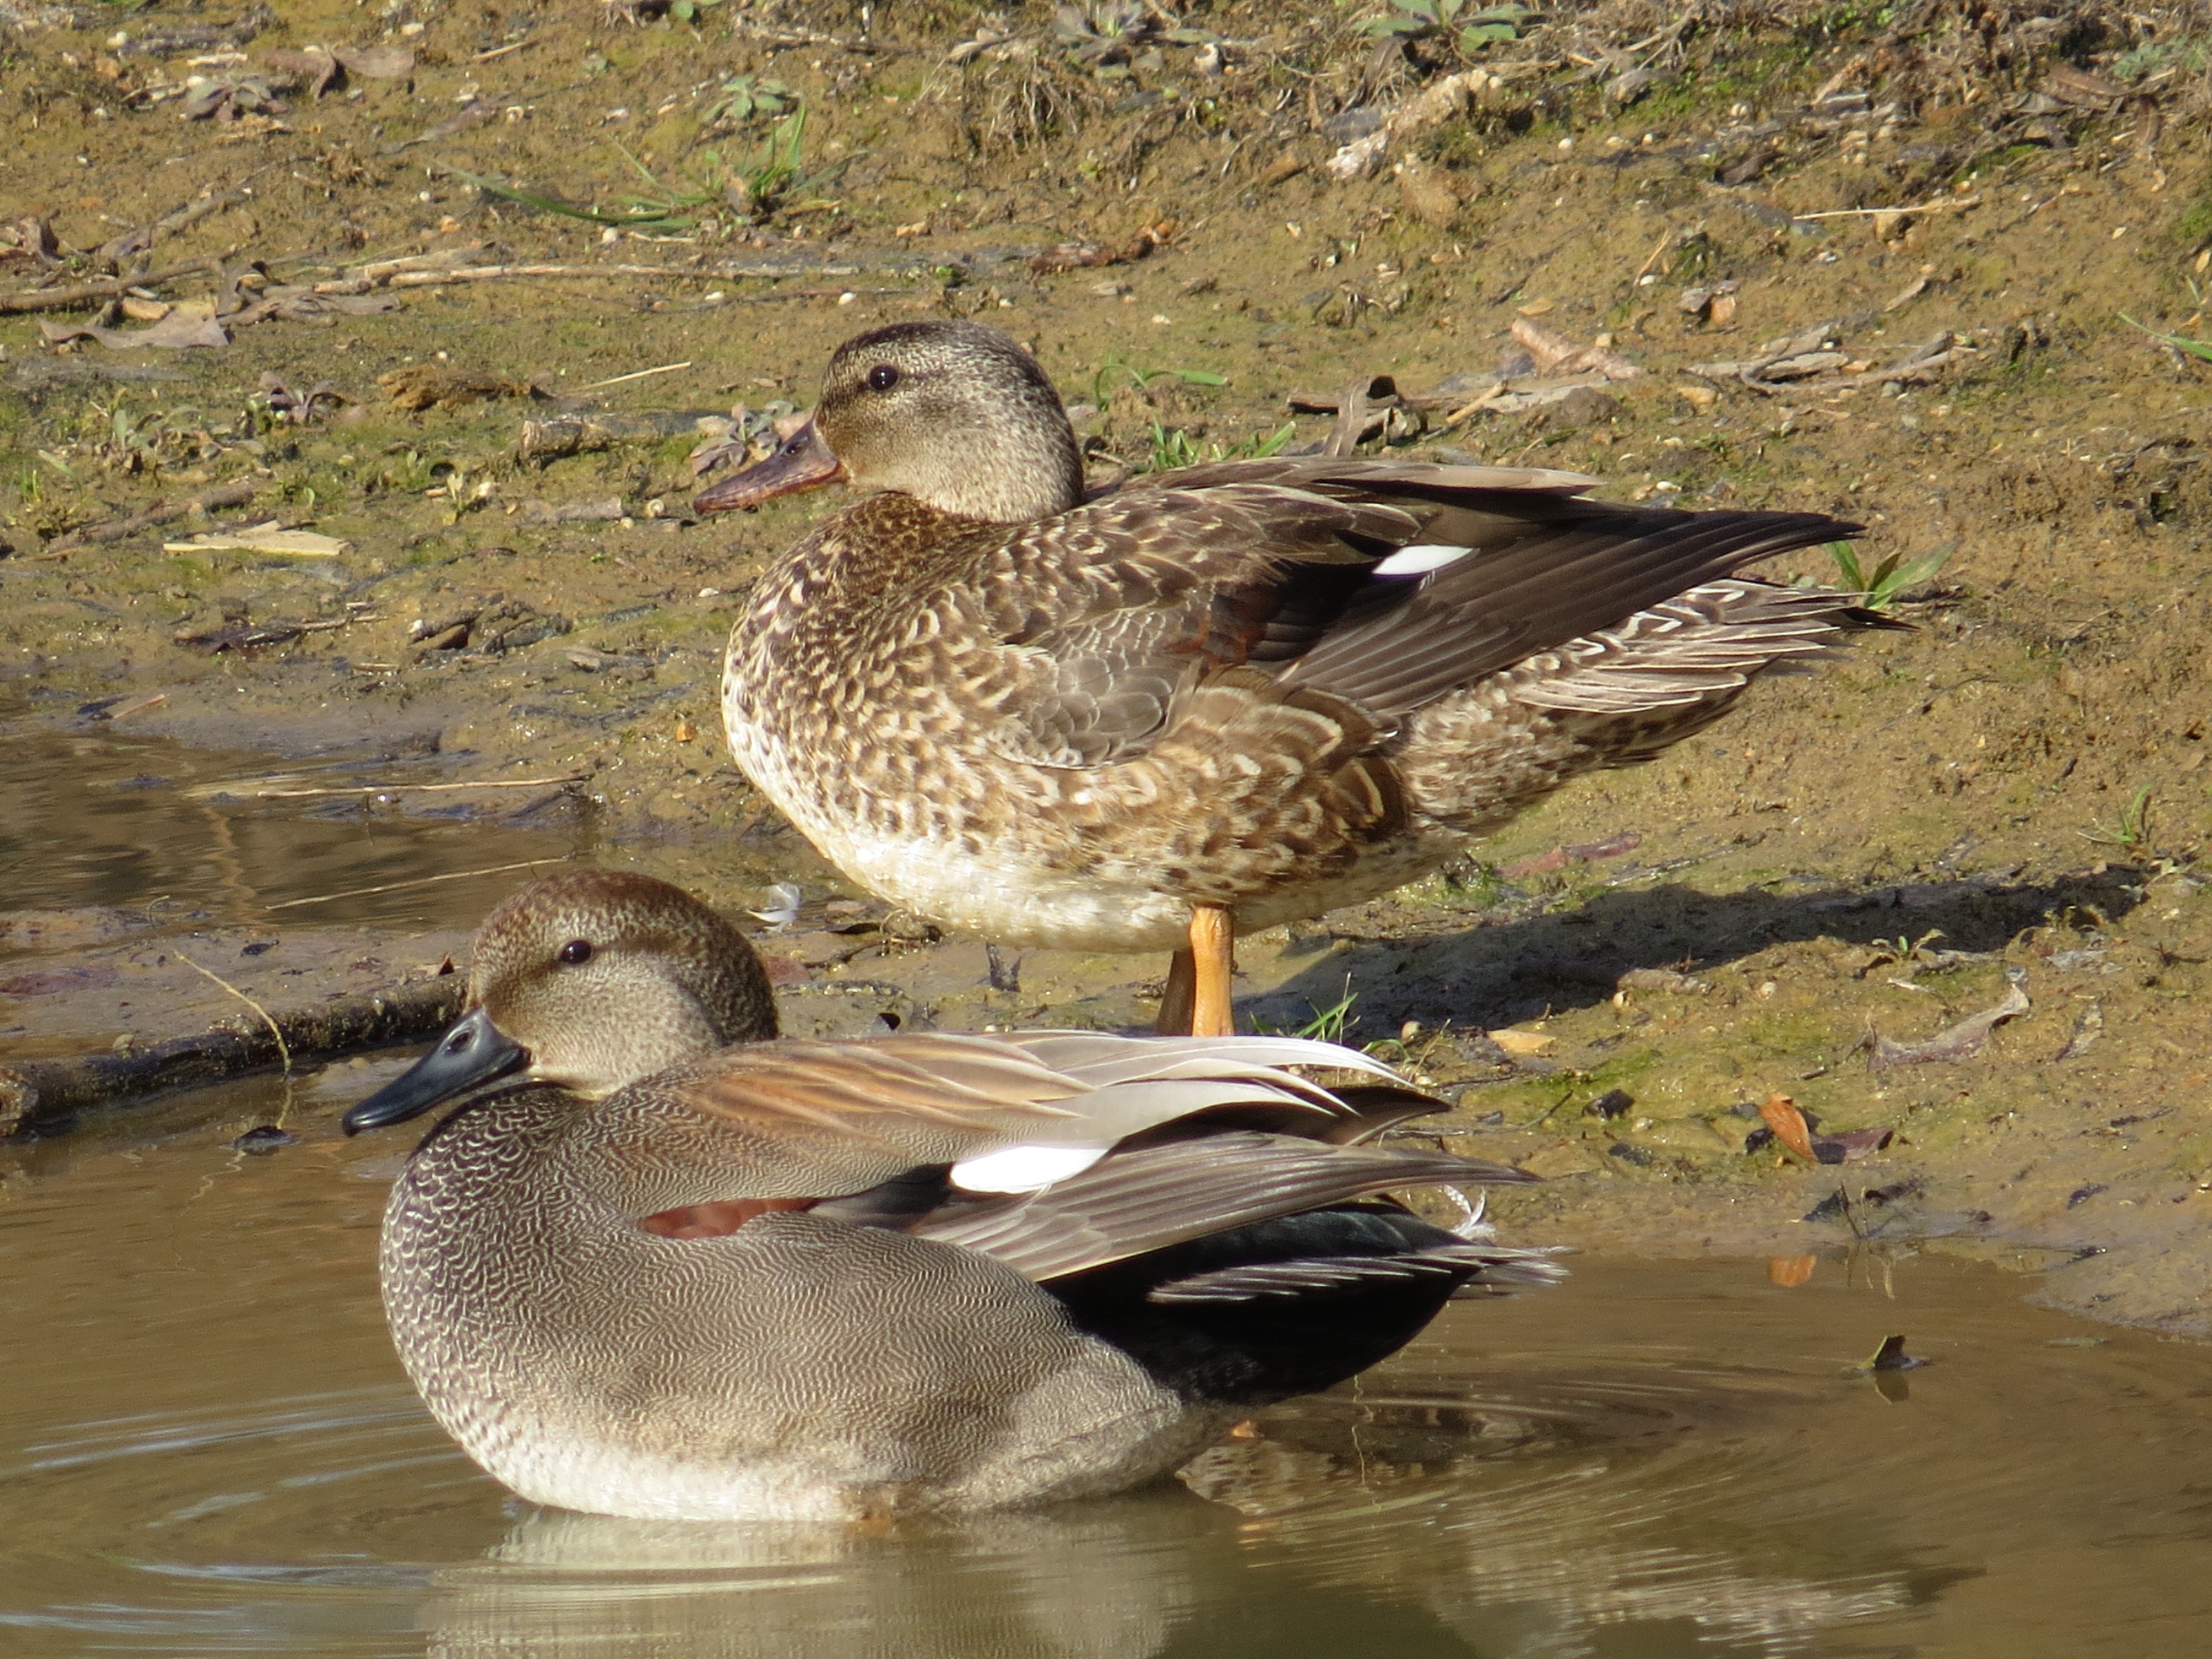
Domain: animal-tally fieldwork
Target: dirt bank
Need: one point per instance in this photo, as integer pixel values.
(1875, 266)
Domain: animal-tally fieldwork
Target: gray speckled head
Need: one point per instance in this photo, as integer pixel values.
(606, 977)
(956, 415)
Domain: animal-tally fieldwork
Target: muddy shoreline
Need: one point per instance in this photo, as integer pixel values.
(2011, 794)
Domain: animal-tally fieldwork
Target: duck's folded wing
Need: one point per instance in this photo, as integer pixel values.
(1378, 587)
(1149, 1198)
(1098, 619)
(1540, 573)
(795, 1118)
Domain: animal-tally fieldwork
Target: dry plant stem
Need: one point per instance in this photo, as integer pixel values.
(60, 299)
(1937, 206)
(283, 1049)
(43, 1094)
(1176, 998)
(637, 375)
(237, 493)
(420, 881)
(417, 788)
(1213, 950)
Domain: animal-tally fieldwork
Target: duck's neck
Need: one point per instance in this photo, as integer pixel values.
(1017, 474)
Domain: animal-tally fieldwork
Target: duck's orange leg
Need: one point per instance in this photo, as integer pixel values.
(1195, 1002)
(1213, 954)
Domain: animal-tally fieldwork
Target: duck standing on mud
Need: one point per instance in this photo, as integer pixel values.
(639, 1271)
(1212, 699)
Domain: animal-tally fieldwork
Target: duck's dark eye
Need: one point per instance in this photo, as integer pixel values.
(576, 950)
(881, 378)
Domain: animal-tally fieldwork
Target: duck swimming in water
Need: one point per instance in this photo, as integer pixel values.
(638, 1271)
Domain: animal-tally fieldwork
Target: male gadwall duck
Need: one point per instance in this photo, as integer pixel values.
(1212, 699)
(644, 1273)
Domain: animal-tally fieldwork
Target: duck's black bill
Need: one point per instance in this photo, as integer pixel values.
(473, 1051)
(804, 462)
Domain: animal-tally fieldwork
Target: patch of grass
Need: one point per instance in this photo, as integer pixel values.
(2190, 52)
(1174, 448)
(1891, 579)
(771, 181)
(1329, 1024)
(1474, 29)
(2131, 833)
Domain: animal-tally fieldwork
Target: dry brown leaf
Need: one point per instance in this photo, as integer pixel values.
(1523, 1044)
(1780, 1114)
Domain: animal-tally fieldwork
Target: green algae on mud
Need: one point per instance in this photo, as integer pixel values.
(1951, 780)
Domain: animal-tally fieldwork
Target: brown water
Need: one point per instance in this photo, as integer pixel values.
(206, 1446)
(189, 837)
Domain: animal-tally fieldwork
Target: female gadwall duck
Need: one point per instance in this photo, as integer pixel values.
(1212, 699)
(646, 1273)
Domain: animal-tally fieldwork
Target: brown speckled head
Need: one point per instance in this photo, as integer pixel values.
(956, 415)
(605, 977)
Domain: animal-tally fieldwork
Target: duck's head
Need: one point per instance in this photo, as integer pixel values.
(588, 980)
(956, 415)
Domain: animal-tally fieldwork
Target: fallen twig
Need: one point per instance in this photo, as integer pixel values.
(109, 287)
(417, 788)
(636, 375)
(1877, 213)
(236, 493)
(579, 434)
(418, 881)
(43, 1094)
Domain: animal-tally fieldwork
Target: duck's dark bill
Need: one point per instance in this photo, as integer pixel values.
(805, 462)
(473, 1051)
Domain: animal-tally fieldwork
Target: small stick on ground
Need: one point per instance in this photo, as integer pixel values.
(61, 299)
(237, 493)
(1936, 206)
(417, 788)
(638, 374)
(419, 881)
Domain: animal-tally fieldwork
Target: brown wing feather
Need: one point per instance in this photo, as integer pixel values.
(968, 1087)
(1110, 617)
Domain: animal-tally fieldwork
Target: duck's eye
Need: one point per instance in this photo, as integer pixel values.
(576, 950)
(881, 378)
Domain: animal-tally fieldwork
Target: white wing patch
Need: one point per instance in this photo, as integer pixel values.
(1024, 1169)
(1419, 561)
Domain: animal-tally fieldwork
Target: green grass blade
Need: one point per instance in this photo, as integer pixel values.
(2201, 348)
